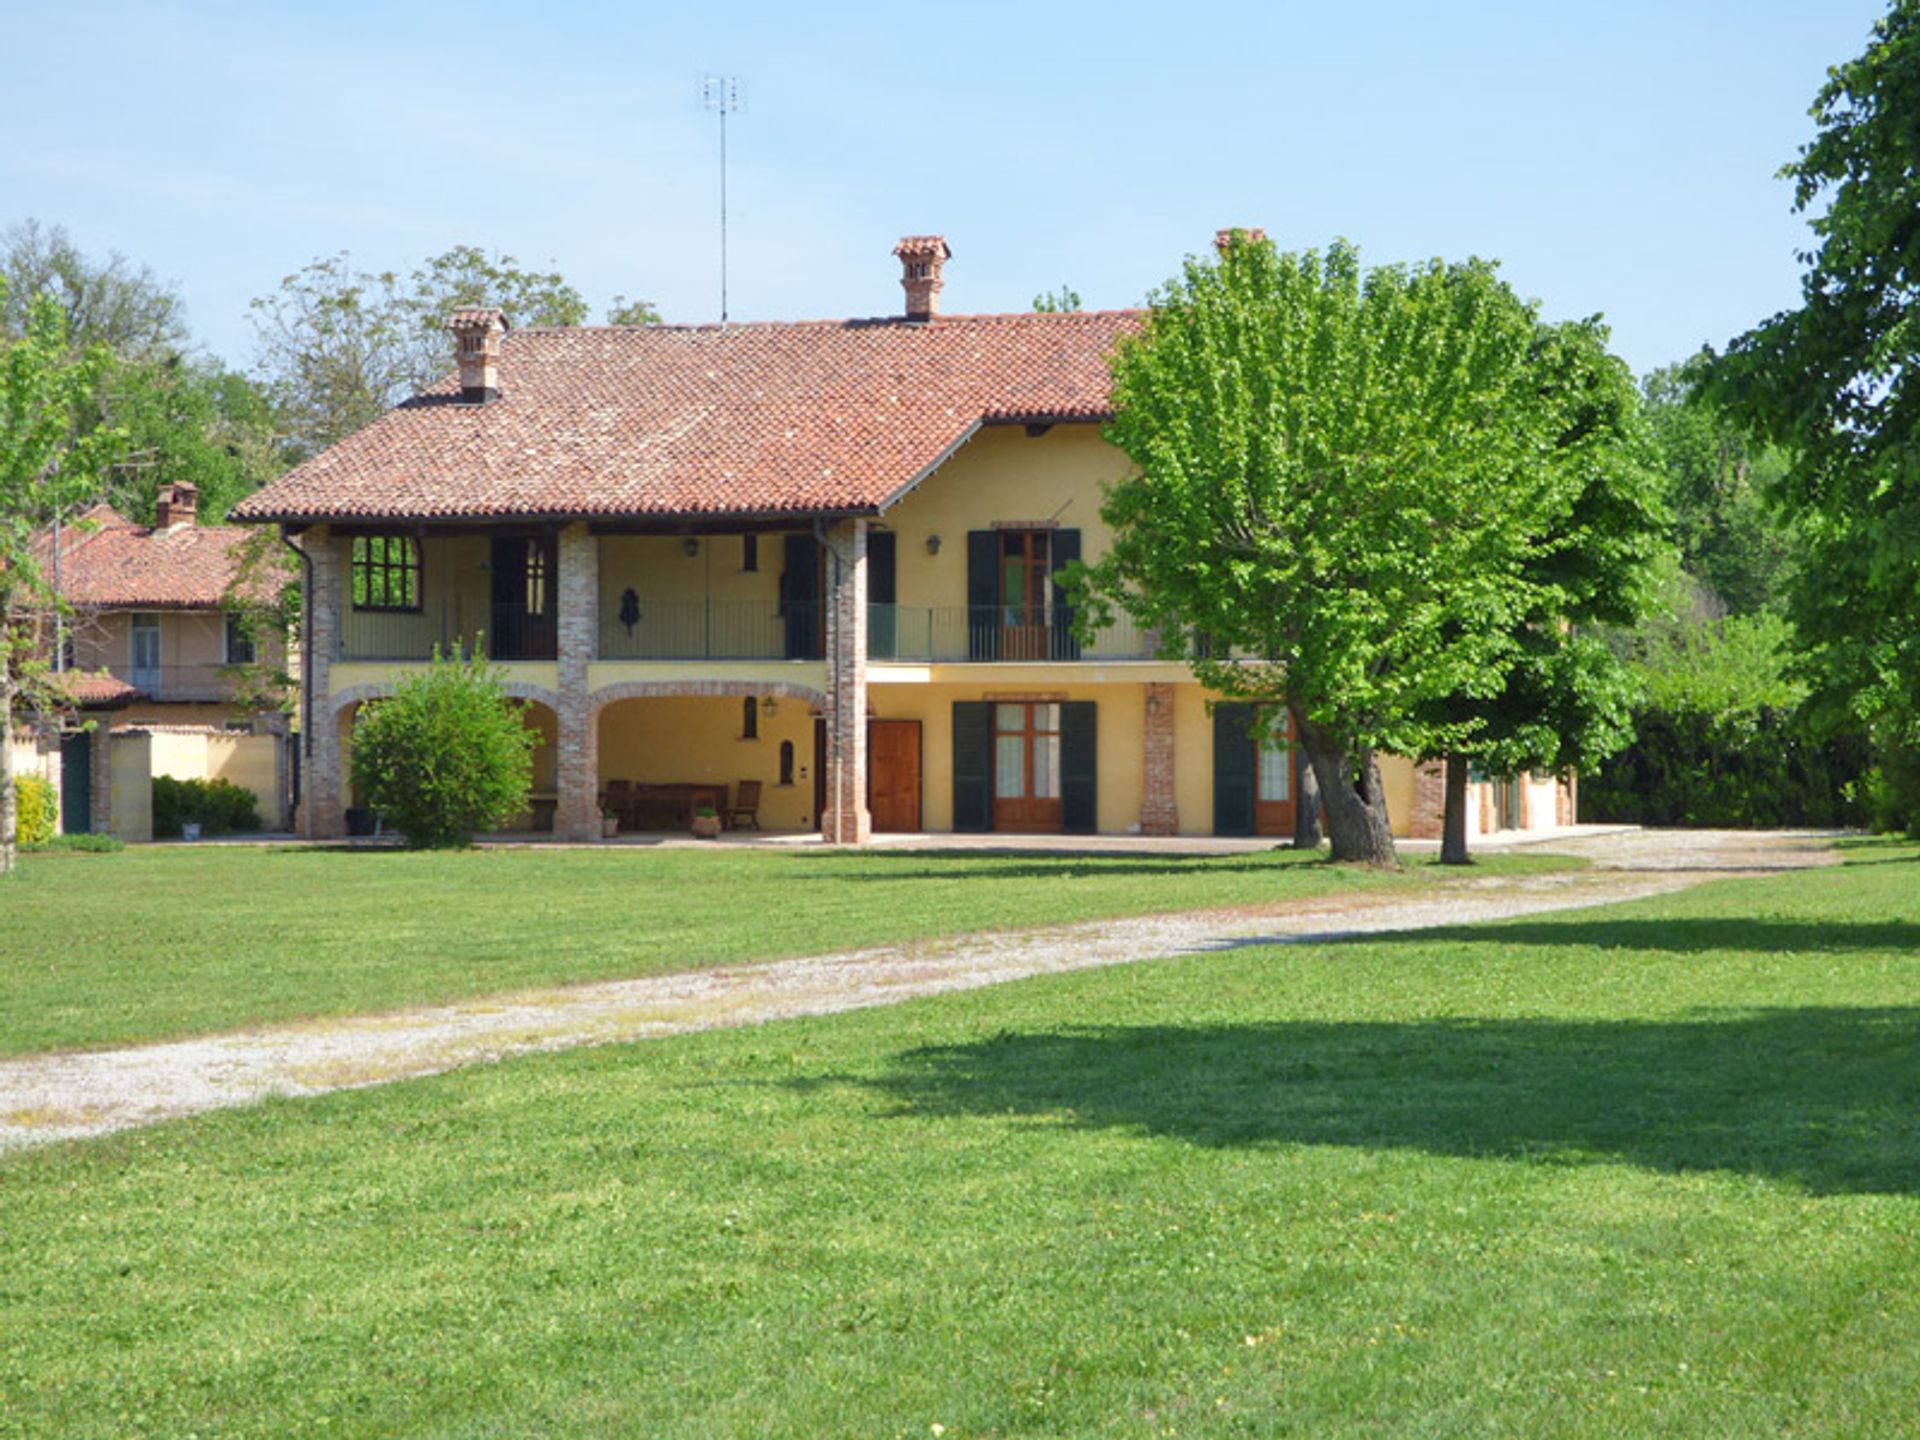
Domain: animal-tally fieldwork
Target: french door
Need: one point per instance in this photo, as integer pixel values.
(1026, 766)
(1025, 560)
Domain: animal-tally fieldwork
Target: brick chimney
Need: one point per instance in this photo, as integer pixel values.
(1224, 238)
(477, 334)
(179, 504)
(921, 257)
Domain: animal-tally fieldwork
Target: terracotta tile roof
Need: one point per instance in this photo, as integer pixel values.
(102, 691)
(118, 565)
(706, 420)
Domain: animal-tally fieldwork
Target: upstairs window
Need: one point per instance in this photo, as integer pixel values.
(239, 641)
(386, 572)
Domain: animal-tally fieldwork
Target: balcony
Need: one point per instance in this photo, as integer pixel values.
(502, 631)
(177, 682)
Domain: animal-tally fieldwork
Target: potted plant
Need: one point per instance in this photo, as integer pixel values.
(609, 824)
(706, 822)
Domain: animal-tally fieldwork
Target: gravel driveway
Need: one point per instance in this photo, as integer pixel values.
(60, 1097)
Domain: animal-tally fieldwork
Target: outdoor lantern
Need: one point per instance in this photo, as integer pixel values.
(692, 546)
(767, 705)
(629, 609)
(933, 544)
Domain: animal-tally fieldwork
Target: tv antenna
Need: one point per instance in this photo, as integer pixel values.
(725, 95)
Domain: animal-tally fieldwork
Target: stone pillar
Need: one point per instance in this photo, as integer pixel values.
(1159, 813)
(847, 820)
(322, 786)
(577, 625)
(1429, 801)
(100, 776)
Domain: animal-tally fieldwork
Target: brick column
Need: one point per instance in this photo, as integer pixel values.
(1429, 801)
(577, 624)
(100, 778)
(322, 813)
(1159, 814)
(847, 820)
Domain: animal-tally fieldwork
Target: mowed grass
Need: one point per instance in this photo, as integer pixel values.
(1647, 1170)
(158, 942)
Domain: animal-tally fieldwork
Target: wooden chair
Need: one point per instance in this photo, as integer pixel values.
(745, 808)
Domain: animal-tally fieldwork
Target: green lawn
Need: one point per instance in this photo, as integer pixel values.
(149, 943)
(1649, 1170)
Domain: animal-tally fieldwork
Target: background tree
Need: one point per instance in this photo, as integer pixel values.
(111, 303)
(1338, 483)
(48, 466)
(447, 755)
(1057, 302)
(1834, 381)
(340, 346)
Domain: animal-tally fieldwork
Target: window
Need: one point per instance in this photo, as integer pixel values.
(1023, 576)
(145, 632)
(386, 572)
(536, 578)
(1026, 752)
(239, 641)
(786, 762)
(749, 552)
(749, 719)
(1276, 771)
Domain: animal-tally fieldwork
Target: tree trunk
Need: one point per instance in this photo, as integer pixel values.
(1350, 799)
(1453, 828)
(1306, 801)
(9, 809)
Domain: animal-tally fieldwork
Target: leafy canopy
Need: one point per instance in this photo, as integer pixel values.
(447, 755)
(1341, 473)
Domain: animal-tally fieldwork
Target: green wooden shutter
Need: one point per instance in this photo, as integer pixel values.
(1079, 787)
(882, 570)
(1065, 550)
(1234, 769)
(972, 765)
(800, 597)
(983, 595)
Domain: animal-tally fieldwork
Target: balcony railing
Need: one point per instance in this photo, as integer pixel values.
(713, 630)
(980, 633)
(501, 631)
(177, 682)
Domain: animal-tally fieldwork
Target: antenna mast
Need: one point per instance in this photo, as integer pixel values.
(722, 94)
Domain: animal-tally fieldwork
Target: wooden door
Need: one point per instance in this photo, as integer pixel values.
(893, 774)
(1026, 767)
(76, 781)
(1025, 618)
(525, 568)
(1273, 784)
(819, 772)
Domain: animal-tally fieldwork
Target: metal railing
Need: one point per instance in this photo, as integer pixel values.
(501, 631)
(177, 682)
(712, 630)
(985, 633)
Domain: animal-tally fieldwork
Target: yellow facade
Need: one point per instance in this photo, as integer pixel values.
(701, 740)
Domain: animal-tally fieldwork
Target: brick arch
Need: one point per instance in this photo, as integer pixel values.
(380, 690)
(718, 689)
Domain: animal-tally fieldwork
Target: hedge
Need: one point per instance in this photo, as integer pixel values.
(218, 806)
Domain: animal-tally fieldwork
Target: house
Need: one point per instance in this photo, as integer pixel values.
(818, 555)
(150, 644)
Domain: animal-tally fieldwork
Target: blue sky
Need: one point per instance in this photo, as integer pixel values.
(1617, 158)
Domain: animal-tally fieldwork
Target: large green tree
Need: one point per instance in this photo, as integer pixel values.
(107, 302)
(1834, 381)
(50, 464)
(1565, 699)
(1341, 476)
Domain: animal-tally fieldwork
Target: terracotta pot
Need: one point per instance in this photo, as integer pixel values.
(608, 828)
(706, 827)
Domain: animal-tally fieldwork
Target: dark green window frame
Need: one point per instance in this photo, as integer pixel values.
(386, 573)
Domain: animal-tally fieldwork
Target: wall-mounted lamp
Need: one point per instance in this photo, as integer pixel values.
(933, 544)
(691, 545)
(768, 705)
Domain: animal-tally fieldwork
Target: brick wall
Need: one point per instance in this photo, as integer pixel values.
(1429, 801)
(847, 820)
(1159, 814)
(577, 622)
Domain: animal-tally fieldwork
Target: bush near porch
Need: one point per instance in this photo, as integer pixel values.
(1634, 1171)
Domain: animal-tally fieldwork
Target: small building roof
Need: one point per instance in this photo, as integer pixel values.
(765, 420)
(108, 562)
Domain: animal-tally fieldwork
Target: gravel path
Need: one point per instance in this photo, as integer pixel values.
(58, 1097)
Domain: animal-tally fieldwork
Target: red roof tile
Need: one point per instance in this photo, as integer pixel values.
(108, 562)
(87, 689)
(709, 420)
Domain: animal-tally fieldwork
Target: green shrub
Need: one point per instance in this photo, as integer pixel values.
(446, 756)
(34, 810)
(219, 807)
(83, 844)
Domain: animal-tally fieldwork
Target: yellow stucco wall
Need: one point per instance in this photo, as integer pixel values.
(456, 599)
(252, 762)
(695, 605)
(697, 740)
(352, 674)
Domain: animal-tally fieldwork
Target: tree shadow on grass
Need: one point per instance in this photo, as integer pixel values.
(1687, 936)
(1828, 1099)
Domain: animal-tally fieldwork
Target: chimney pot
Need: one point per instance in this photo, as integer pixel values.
(921, 260)
(1223, 239)
(477, 333)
